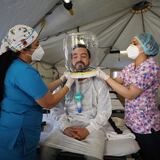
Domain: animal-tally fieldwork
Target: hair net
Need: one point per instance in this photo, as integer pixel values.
(148, 44)
(18, 38)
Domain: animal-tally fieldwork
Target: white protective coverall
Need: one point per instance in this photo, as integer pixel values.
(97, 109)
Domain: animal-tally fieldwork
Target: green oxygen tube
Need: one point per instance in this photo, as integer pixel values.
(78, 98)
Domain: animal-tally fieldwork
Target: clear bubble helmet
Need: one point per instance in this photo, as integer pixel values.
(85, 41)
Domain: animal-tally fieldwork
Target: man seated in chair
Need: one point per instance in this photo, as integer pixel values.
(81, 130)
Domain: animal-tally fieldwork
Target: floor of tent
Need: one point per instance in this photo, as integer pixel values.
(74, 156)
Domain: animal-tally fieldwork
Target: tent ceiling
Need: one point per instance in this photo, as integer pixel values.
(86, 11)
(112, 22)
(22, 12)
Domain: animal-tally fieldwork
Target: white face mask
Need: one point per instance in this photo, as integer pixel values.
(38, 54)
(132, 51)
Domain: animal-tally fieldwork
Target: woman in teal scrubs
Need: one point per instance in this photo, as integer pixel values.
(23, 94)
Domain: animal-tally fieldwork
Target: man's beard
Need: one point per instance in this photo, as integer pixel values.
(80, 67)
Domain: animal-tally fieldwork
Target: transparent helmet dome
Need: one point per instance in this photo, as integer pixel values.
(80, 40)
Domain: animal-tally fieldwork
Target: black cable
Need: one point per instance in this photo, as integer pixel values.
(116, 129)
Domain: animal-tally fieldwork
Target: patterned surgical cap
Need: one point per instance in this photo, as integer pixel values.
(148, 44)
(18, 38)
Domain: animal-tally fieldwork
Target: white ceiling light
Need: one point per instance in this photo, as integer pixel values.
(68, 5)
(66, 1)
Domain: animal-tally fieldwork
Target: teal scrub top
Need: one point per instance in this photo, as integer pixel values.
(21, 116)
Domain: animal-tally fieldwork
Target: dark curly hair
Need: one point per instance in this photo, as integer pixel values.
(6, 60)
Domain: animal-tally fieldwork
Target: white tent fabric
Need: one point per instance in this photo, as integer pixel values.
(112, 22)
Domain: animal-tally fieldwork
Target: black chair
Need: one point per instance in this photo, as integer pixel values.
(70, 156)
